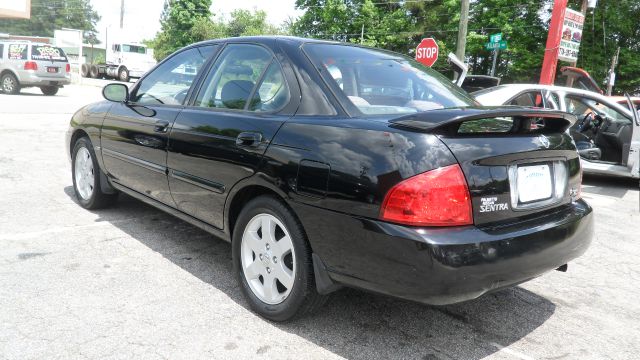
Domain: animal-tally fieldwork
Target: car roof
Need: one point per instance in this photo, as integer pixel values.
(265, 38)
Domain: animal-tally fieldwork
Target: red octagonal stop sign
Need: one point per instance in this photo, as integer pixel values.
(427, 52)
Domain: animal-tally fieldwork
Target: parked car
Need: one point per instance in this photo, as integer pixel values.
(26, 64)
(607, 134)
(320, 184)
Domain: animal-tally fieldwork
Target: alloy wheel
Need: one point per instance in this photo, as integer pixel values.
(8, 84)
(268, 259)
(84, 173)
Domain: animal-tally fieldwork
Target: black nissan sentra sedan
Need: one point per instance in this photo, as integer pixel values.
(329, 165)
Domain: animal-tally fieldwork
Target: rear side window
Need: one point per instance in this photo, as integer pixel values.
(17, 52)
(45, 52)
(1, 50)
(245, 72)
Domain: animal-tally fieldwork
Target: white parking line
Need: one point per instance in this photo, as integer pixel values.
(514, 353)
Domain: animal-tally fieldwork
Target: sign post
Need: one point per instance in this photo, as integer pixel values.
(427, 52)
(495, 44)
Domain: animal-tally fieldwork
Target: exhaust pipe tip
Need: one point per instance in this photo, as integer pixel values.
(563, 268)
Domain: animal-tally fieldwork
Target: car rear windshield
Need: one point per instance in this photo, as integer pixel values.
(45, 52)
(379, 82)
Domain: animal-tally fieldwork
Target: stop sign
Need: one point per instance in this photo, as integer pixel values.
(427, 52)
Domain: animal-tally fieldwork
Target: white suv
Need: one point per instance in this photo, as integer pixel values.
(26, 64)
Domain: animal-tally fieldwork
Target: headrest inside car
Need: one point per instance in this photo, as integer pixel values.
(235, 93)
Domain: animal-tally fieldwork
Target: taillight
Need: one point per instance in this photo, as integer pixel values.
(438, 197)
(30, 65)
(68, 68)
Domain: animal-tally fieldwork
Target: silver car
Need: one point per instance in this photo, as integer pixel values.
(607, 133)
(27, 64)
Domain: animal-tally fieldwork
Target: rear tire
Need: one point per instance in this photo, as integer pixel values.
(85, 172)
(93, 71)
(9, 84)
(265, 257)
(49, 90)
(84, 70)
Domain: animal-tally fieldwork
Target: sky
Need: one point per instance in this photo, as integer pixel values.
(142, 18)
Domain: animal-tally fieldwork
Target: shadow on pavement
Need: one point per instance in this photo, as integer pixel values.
(609, 185)
(353, 324)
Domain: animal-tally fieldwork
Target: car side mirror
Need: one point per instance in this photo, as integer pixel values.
(116, 92)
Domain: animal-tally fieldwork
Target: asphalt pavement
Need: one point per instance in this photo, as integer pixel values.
(132, 282)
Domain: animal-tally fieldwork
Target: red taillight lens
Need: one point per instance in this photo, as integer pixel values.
(68, 68)
(438, 197)
(30, 65)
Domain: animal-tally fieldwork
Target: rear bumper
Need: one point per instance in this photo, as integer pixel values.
(31, 79)
(444, 266)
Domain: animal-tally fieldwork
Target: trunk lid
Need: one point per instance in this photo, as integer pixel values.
(517, 161)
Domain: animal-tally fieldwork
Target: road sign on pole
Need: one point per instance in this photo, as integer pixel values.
(495, 38)
(427, 52)
(501, 45)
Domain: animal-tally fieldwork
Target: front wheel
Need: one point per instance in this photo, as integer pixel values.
(49, 90)
(86, 177)
(123, 74)
(272, 261)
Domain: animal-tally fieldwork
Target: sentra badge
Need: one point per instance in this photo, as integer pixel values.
(489, 205)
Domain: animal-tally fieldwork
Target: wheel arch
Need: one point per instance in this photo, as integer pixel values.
(9, 71)
(241, 195)
(77, 134)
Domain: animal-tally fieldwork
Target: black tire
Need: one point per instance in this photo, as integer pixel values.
(303, 298)
(93, 71)
(123, 74)
(49, 90)
(84, 70)
(97, 199)
(9, 84)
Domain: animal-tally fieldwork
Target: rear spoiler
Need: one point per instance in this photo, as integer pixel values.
(448, 120)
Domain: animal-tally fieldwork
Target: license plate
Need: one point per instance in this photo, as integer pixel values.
(534, 183)
(51, 69)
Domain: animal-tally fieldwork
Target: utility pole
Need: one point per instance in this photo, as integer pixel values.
(550, 62)
(612, 72)
(362, 35)
(121, 14)
(462, 30)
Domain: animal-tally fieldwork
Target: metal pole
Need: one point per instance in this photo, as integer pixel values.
(362, 35)
(121, 14)
(462, 30)
(612, 71)
(495, 60)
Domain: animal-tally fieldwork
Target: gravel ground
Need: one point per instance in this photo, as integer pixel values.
(133, 282)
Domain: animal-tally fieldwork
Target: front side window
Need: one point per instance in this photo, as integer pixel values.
(580, 107)
(170, 82)
(379, 82)
(245, 77)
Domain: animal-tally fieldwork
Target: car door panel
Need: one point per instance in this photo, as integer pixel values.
(205, 160)
(135, 133)
(220, 139)
(134, 151)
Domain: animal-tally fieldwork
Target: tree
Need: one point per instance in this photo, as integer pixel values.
(177, 23)
(47, 16)
(240, 23)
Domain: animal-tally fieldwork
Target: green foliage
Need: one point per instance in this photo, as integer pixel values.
(399, 26)
(179, 30)
(178, 20)
(47, 16)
